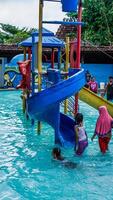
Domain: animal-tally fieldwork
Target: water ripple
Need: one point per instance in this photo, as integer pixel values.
(27, 171)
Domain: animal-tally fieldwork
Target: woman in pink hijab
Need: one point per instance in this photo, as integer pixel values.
(103, 128)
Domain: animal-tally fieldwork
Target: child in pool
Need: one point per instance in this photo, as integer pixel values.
(103, 129)
(56, 153)
(80, 135)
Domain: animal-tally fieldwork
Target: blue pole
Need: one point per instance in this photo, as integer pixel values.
(54, 0)
(63, 22)
(33, 58)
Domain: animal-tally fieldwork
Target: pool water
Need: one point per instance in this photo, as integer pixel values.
(27, 171)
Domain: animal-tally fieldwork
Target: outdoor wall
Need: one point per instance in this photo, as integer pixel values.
(100, 71)
(2, 70)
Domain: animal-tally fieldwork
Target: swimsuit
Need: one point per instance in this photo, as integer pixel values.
(82, 140)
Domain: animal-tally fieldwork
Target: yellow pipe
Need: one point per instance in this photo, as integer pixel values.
(66, 70)
(23, 103)
(40, 45)
(24, 97)
(94, 100)
(40, 53)
(39, 127)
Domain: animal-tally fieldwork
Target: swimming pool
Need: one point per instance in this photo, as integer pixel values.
(27, 171)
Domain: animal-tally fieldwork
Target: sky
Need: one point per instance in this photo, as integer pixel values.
(24, 13)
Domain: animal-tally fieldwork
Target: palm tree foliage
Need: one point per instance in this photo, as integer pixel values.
(10, 34)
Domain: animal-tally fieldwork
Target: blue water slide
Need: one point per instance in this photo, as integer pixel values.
(45, 106)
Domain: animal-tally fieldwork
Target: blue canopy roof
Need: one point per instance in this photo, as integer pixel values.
(48, 40)
(45, 32)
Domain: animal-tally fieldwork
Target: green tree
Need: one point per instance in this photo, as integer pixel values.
(10, 34)
(98, 16)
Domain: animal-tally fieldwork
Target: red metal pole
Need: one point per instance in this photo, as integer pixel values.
(78, 49)
(52, 58)
(79, 34)
(29, 53)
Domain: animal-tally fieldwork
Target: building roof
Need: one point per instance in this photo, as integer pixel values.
(84, 48)
(89, 54)
(64, 31)
(10, 47)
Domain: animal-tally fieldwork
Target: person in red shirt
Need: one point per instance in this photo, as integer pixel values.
(93, 86)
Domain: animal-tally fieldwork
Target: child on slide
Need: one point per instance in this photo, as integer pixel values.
(80, 135)
(103, 129)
